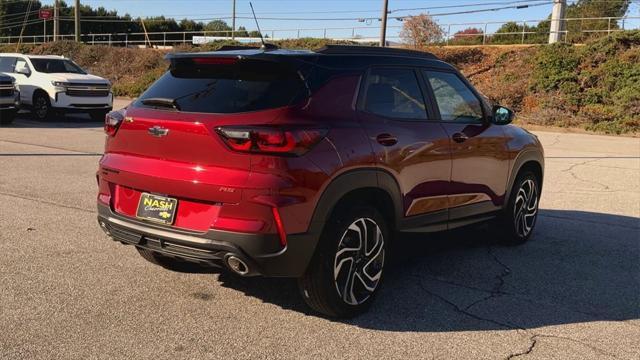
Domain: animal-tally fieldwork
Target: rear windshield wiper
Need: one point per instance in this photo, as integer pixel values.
(161, 102)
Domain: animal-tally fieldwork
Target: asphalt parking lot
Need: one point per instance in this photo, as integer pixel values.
(572, 292)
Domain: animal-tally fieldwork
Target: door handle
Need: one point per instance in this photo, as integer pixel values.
(459, 137)
(386, 139)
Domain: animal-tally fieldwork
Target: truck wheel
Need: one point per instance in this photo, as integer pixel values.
(7, 117)
(98, 115)
(41, 106)
(346, 271)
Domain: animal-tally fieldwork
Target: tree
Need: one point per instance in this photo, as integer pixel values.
(220, 27)
(12, 17)
(593, 9)
(468, 36)
(421, 30)
(511, 33)
(190, 25)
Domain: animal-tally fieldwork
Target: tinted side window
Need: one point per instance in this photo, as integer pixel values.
(394, 93)
(7, 64)
(456, 102)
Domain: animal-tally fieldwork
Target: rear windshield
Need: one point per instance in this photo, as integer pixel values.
(248, 85)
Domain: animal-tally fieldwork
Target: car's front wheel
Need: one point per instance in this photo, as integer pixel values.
(346, 271)
(519, 217)
(41, 106)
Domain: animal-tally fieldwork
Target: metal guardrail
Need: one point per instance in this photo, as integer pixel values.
(357, 33)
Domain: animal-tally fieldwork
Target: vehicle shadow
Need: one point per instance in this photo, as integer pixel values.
(577, 267)
(69, 121)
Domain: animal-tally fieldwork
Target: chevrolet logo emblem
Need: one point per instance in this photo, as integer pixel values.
(158, 131)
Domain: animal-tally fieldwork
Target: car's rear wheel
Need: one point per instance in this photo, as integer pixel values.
(519, 218)
(7, 117)
(41, 108)
(164, 261)
(346, 271)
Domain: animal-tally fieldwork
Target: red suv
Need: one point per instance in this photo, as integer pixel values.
(308, 164)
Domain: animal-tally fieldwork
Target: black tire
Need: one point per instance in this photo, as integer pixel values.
(164, 261)
(98, 115)
(516, 223)
(7, 117)
(41, 107)
(320, 285)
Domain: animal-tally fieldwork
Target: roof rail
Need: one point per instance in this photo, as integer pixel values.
(372, 50)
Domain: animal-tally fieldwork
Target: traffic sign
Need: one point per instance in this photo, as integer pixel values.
(45, 14)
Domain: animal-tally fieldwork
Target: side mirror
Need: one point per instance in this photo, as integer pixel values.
(502, 115)
(23, 69)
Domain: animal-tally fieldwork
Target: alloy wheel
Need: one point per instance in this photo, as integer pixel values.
(41, 107)
(525, 208)
(359, 261)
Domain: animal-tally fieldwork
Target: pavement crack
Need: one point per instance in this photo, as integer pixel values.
(571, 172)
(555, 141)
(497, 287)
(48, 202)
(460, 309)
(528, 351)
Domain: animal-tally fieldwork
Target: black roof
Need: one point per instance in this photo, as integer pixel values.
(358, 50)
(373, 50)
(332, 56)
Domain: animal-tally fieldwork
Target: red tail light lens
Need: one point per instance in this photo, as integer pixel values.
(112, 121)
(279, 226)
(271, 140)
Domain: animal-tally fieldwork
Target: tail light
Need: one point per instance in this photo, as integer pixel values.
(271, 140)
(112, 121)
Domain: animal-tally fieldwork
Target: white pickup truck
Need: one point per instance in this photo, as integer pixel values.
(51, 85)
(9, 99)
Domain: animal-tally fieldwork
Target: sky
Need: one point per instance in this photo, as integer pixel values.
(301, 10)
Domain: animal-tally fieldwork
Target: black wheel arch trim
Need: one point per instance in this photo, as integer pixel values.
(351, 181)
(342, 185)
(524, 157)
(40, 91)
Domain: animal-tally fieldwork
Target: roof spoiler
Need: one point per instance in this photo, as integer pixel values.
(373, 50)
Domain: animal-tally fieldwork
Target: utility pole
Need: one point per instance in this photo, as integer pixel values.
(233, 22)
(557, 21)
(76, 11)
(383, 28)
(56, 28)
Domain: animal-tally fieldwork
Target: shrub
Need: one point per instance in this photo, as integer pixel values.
(555, 65)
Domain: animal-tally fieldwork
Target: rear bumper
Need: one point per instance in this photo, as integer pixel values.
(262, 252)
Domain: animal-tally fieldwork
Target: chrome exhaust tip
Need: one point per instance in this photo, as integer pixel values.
(237, 265)
(104, 227)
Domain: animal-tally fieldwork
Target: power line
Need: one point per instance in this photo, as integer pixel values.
(169, 16)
